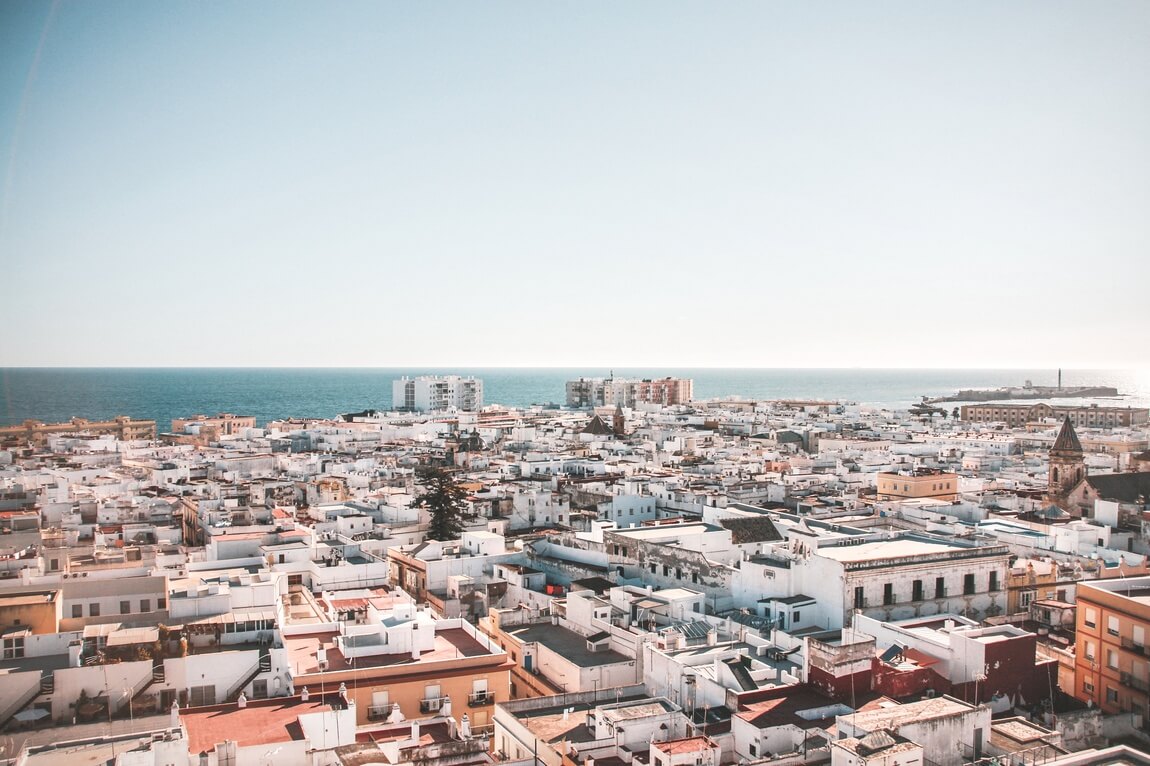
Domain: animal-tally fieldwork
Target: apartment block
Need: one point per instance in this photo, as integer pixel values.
(1112, 657)
(431, 393)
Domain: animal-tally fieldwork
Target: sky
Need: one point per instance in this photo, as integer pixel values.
(762, 184)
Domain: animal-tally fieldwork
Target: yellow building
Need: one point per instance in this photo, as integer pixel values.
(920, 484)
(36, 433)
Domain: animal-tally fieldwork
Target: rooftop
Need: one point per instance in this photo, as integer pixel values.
(262, 722)
(903, 547)
(893, 716)
(566, 643)
(450, 644)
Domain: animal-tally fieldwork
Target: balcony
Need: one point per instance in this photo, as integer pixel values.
(430, 705)
(1129, 645)
(1131, 682)
(378, 712)
(480, 699)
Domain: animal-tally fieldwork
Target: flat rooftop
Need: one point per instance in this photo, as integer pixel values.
(665, 531)
(449, 645)
(567, 643)
(894, 716)
(262, 722)
(889, 549)
(28, 599)
(552, 725)
(784, 711)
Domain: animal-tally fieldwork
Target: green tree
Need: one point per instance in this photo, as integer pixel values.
(445, 500)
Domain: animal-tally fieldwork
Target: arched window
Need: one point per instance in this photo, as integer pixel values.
(1055, 474)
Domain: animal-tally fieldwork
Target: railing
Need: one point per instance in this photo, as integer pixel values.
(1129, 645)
(430, 705)
(378, 712)
(480, 699)
(1131, 682)
(483, 731)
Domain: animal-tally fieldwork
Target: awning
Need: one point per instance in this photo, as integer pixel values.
(132, 636)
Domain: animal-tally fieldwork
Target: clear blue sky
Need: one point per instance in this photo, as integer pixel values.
(763, 184)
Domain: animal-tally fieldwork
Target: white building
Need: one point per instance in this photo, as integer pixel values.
(433, 393)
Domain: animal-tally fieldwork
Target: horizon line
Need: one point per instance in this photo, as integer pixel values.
(608, 367)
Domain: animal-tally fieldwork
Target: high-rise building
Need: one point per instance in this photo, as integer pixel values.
(623, 392)
(434, 393)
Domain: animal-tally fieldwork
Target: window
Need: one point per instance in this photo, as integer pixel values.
(145, 605)
(916, 591)
(125, 607)
(1090, 617)
(1112, 625)
(887, 594)
(93, 610)
(1112, 659)
(1088, 650)
(1087, 687)
(202, 695)
(754, 750)
(994, 581)
(1025, 598)
(968, 585)
(860, 600)
(14, 648)
(939, 587)
(77, 610)
(1111, 694)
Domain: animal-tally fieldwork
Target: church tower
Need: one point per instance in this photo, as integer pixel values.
(1067, 464)
(619, 422)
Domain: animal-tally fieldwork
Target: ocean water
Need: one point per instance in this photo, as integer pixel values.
(160, 394)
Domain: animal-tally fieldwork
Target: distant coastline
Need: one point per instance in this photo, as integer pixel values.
(161, 394)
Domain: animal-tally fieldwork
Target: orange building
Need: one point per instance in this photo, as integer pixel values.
(457, 671)
(1112, 657)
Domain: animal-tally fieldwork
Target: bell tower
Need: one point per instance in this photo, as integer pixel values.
(1067, 464)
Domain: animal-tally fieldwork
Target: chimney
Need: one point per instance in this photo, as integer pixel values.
(415, 731)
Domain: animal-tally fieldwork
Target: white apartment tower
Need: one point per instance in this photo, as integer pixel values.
(435, 393)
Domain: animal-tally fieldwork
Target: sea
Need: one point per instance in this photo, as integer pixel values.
(161, 394)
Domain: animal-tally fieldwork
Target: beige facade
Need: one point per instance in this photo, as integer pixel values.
(1081, 417)
(202, 429)
(36, 433)
(936, 485)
